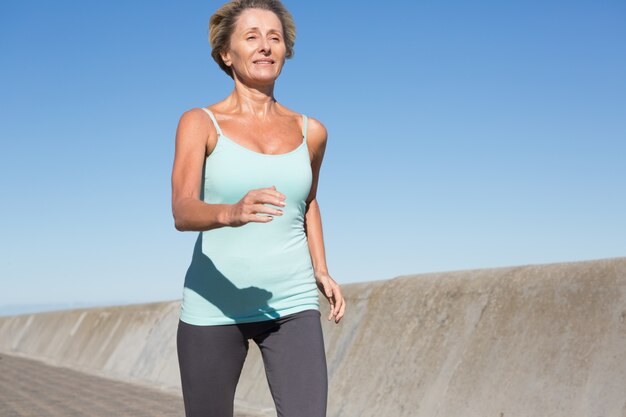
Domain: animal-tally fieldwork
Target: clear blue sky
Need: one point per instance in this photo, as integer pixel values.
(462, 135)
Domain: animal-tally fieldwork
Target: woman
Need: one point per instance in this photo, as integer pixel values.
(245, 176)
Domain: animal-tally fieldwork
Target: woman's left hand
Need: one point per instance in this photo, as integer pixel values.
(332, 292)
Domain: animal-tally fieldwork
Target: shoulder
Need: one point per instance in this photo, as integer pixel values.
(195, 122)
(195, 116)
(196, 130)
(316, 131)
(316, 139)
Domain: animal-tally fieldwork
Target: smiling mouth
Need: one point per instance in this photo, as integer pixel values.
(263, 61)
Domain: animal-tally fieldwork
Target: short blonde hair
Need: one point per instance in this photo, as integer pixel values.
(222, 24)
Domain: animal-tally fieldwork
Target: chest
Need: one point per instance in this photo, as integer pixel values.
(271, 138)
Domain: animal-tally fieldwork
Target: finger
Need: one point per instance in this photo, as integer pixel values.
(280, 195)
(264, 197)
(260, 219)
(272, 192)
(275, 198)
(340, 305)
(262, 208)
(341, 312)
(339, 301)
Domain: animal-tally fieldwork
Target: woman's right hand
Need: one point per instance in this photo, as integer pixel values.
(253, 203)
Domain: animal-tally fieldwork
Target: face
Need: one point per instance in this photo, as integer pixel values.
(257, 47)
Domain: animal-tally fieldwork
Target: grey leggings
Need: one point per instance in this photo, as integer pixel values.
(211, 358)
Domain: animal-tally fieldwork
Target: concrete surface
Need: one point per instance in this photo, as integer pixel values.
(537, 340)
(30, 388)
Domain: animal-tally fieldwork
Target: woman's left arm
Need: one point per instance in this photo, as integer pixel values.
(317, 137)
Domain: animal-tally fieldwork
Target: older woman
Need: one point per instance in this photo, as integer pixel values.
(245, 176)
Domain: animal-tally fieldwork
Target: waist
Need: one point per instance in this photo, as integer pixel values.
(256, 240)
(222, 288)
(257, 253)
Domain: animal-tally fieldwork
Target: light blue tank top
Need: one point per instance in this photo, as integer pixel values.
(258, 271)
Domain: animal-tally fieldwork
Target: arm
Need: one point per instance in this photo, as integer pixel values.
(313, 225)
(315, 237)
(190, 213)
(194, 132)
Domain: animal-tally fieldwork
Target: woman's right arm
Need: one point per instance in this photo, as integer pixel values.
(191, 213)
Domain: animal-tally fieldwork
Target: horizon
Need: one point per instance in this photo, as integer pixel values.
(27, 309)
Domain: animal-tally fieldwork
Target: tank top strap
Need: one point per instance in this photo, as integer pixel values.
(305, 122)
(214, 120)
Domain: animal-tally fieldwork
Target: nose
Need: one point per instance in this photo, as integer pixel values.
(264, 46)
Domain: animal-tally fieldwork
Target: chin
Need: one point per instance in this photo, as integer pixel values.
(265, 78)
(260, 77)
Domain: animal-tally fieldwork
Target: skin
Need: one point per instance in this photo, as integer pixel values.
(256, 55)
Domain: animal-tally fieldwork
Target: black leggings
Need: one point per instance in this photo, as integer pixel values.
(292, 347)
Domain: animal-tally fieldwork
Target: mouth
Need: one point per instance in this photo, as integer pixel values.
(263, 61)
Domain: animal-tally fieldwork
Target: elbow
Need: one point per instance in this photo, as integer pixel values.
(179, 225)
(179, 222)
(312, 204)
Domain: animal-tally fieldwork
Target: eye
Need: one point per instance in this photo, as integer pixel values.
(250, 37)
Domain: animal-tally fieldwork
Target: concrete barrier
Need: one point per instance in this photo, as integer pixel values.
(538, 340)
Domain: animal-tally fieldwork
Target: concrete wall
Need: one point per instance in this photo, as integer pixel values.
(539, 340)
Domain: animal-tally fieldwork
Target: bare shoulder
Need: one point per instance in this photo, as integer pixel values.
(195, 126)
(316, 139)
(194, 119)
(317, 131)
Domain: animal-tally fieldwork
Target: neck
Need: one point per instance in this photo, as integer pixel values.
(257, 100)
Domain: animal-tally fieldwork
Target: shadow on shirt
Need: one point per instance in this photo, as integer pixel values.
(206, 280)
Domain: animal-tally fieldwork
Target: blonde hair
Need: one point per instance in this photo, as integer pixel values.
(222, 24)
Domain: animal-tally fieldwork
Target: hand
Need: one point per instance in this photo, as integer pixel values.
(252, 203)
(332, 292)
